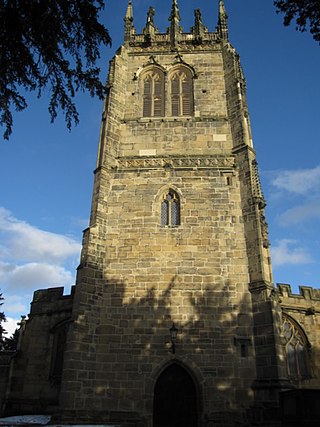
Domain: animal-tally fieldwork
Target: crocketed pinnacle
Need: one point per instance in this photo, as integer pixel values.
(150, 30)
(223, 21)
(128, 21)
(129, 13)
(174, 18)
(174, 11)
(222, 10)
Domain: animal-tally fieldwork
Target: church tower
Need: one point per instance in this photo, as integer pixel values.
(172, 316)
(174, 320)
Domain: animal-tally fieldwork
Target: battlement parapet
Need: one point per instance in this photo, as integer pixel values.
(46, 301)
(305, 292)
(158, 38)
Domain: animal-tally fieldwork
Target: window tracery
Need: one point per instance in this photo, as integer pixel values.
(181, 91)
(178, 85)
(296, 349)
(153, 94)
(170, 209)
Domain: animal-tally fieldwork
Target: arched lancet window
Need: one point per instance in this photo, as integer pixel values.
(58, 349)
(181, 91)
(153, 94)
(296, 349)
(170, 209)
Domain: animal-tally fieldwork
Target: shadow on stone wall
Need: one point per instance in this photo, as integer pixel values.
(124, 344)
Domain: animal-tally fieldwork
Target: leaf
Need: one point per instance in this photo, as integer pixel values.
(53, 45)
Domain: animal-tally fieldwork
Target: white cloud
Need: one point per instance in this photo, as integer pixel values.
(31, 259)
(287, 251)
(27, 243)
(34, 275)
(16, 305)
(10, 326)
(301, 181)
(5, 269)
(301, 213)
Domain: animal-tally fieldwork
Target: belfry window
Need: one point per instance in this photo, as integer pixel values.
(153, 94)
(296, 349)
(181, 90)
(170, 209)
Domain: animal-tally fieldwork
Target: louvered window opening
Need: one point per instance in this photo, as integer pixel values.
(295, 350)
(181, 94)
(170, 210)
(153, 95)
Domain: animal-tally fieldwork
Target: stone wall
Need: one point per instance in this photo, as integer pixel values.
(5, 362)
(304, 308)
(33, 388)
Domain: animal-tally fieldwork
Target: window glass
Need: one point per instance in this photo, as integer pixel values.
(170, 209)
(175, 212)
(164, 213)
(296, 349)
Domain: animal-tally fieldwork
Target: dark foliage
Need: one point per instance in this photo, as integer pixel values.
(11, 343)
(51, 44)
(2, 319)
(306, 14)
(7, 343)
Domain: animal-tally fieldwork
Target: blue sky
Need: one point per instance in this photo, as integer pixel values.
(46, 172)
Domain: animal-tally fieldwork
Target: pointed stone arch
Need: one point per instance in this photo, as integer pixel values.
(168, 206)
(59, 340)
(179, 62)
(152, 89)
(297, 348)
(180, 90)
(176, 393)
(168, 187)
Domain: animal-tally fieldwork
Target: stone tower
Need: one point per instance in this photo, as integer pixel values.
(174, 319)
(172, 314)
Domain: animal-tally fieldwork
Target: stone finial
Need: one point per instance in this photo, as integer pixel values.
(150, 30)
(223, 21)
(150, 15)
(175, 29)
(129, 13)
(174, 11)
(128, 22)
(198, 30)
(222, 10)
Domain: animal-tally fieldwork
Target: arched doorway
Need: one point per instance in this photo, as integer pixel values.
(175, 399)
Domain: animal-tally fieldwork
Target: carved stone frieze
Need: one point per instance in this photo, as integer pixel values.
(217, 162)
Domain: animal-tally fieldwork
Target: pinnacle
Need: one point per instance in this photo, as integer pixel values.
(222, 10)
(174, 11)
(129, 13)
